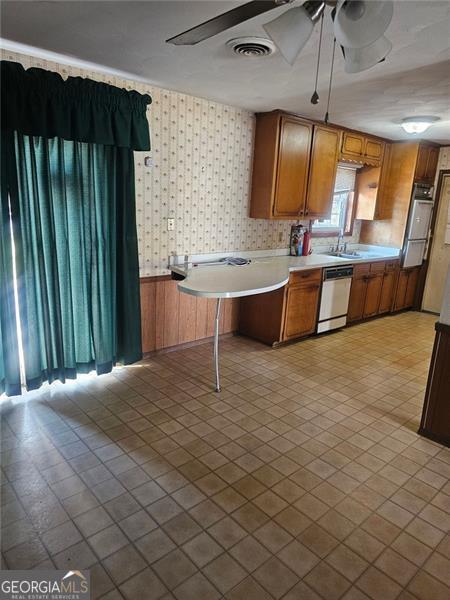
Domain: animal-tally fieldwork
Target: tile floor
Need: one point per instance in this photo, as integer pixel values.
(303, 479)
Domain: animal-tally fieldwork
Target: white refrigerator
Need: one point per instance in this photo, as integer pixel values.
(417, 232)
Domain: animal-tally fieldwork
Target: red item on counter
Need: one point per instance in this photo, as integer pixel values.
(306, 243)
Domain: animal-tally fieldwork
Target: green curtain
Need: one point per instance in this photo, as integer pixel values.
(9, 349)
(40, 102)
(69, 185)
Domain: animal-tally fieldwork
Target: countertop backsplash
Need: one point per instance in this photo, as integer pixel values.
(201, 177)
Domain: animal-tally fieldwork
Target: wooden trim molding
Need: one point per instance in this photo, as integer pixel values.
(155, 278)
(435, 422)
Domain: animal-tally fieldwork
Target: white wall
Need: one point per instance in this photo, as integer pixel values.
(440, 252)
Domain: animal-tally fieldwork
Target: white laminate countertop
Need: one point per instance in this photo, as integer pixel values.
(261, 275)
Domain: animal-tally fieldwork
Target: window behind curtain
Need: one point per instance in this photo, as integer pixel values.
(342, 206)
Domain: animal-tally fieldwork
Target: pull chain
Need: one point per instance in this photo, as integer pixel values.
(315, 96)
(331, 80)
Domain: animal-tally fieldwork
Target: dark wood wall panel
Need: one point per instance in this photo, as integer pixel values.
(435, 423)
(170, 318)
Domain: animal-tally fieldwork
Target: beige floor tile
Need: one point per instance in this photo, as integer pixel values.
(377, 585)
(225, 573)
(298, 558)
(202, 549)
(347, 562)
(124, 564)
(144, 584)
(327, 582)
(196, 587)
(318, 540)
(275, 577)
(397, 567)
(411, 548)
(248, 589)
(249, 553)
(174, 568)
(425, 587)
(308, 465)
(227, 532)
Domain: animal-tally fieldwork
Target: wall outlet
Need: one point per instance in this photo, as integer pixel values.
(170, 224)
(148, 161)
(280, 236)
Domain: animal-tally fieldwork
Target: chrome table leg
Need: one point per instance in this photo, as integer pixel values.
(216, 343)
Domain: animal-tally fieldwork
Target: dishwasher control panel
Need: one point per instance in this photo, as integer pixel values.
(337, 272)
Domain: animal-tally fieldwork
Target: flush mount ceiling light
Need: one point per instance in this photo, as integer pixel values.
(418, 124)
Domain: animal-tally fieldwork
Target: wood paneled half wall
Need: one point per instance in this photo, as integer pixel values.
(171, 318)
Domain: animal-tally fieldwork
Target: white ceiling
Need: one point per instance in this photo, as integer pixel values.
(130, 36)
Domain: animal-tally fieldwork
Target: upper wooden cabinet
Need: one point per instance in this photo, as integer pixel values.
(294, 168)
(426, 165)
(280, 166)
(371, 190)
(358, 147)
(322, 172)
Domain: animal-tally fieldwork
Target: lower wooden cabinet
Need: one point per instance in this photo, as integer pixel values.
(387, 291)
(291, 312)
(406, 288)
(358, 292)
(301, 310)
(284, 314)
(372, 291)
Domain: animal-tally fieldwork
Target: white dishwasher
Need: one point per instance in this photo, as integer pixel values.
(336, 285)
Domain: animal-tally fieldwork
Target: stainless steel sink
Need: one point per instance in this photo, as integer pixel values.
(345, 254)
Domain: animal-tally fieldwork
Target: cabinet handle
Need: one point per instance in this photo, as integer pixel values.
(306, 211)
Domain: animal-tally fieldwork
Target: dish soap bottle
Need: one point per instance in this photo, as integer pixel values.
(300, 240)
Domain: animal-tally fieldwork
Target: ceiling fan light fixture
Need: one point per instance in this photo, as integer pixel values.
(415, 125)
(361, 59)
(292, 29)
(360, 23)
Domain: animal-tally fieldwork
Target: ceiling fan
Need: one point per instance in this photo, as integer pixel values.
(359, 27)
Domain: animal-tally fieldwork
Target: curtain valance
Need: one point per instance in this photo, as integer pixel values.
(41, 103)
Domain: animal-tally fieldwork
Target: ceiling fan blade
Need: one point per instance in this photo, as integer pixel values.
(225, 21)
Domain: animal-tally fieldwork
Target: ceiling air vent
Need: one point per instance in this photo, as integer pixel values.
(252, 46)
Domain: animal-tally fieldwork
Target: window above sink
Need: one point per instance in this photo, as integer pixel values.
(342, 212)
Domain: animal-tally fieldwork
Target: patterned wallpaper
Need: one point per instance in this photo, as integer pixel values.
(202, 154)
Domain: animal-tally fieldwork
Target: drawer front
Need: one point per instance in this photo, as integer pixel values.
(377, 267)
(305, 277)
(360, 270)
(392, 265)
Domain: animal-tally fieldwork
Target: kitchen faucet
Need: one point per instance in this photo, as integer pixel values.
(340, 240)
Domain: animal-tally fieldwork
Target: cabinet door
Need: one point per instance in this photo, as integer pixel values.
(410, 294)
(293, 164)
(352, 145)
(400, 293)
(357, 298)
(387, 291)
(373, 295)
(421, 164)
(432, 161)
(383, 208)
(322, 173)
(373, 151)
(301, 310)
